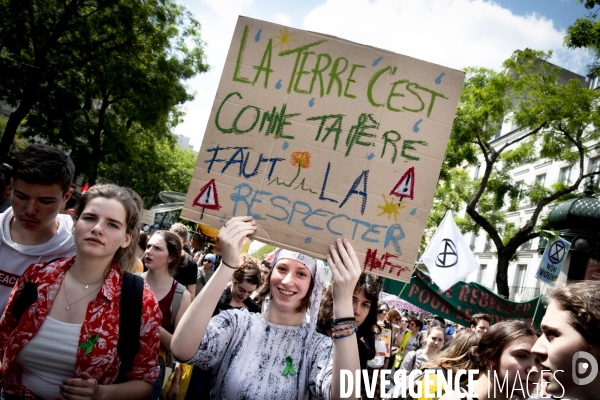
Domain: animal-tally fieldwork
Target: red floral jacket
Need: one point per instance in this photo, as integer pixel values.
(102, 318)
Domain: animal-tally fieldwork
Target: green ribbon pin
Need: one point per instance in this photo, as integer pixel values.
(289, 367)
(89, 344)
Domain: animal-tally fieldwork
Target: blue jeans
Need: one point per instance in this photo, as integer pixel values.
(157, 390)
(201, 383)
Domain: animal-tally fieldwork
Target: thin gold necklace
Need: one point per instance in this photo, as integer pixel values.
(86, 285)
(68, 308)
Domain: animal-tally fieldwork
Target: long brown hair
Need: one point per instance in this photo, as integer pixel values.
(174, 248)
(494, 341)
(371, 287)
(132, 203)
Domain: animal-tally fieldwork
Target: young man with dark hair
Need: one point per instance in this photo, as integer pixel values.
(32, 230)
(480, 323)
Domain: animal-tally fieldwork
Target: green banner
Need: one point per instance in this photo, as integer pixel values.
(463, 300)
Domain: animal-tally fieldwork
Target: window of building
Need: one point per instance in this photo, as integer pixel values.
(594, 166)
(477, 169)
(473, 240)
(521, 190)
(541, 180)
(564, 176)
(488, 245)
(520, 278)
(481, 273)
(526, 245)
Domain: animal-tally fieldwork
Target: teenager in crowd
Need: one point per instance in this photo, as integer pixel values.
(381, 314)
(459, 356)
(265, 269)
(207, 270)
(33, 230)
(244, 281)
(163, 255)
(187, 271)
(504, 353)
(364, 302)
(432, 343)
(480, 323)
(65, 344)
(570, 339)
(275, 355)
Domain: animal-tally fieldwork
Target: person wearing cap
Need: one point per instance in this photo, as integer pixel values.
(207, 270)
(274, 355)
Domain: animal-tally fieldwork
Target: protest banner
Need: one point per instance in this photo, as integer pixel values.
(552, 261)
(319, 138)
(463, 300)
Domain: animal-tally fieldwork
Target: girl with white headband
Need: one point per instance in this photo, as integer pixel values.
(274, 355)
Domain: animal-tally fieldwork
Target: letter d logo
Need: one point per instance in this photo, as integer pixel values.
(582, 367)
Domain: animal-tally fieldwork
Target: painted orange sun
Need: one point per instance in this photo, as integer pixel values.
(285, 39)
(390, 208)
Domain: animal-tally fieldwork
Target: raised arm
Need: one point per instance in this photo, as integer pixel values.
(346, 270)
(190, 330)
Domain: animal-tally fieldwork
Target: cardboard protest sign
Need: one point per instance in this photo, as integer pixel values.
(319, 138)
(463, 300)
(552, 261)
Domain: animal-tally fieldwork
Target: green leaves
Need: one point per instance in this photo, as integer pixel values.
(89, 344)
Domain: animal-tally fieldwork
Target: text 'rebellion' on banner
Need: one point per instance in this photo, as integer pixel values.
(320, 138)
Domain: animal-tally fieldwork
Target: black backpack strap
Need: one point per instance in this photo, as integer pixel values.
(130, 319)
(28, 296)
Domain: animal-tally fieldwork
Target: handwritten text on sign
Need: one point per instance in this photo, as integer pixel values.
(319, 138)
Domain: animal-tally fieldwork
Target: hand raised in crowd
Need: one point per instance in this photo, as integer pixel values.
(232, 237)
(345, 268)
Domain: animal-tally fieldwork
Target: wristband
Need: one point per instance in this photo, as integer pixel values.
(337, 321)
(227, 265)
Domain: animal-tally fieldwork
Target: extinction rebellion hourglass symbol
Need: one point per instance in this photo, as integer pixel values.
(447, 257)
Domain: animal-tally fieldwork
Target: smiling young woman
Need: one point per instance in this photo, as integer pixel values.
(275, 355)
(65, 344)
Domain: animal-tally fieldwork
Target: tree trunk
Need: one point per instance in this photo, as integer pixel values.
(502, 275)
(13, 124)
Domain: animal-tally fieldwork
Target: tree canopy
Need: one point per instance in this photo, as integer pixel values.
(585, 33)
(97, 78)
(556, 120)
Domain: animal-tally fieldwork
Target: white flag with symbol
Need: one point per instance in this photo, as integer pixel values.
(448, 256)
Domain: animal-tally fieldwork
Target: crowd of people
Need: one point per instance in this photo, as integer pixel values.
(95, 308)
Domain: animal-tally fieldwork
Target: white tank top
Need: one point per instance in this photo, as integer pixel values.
(49, 357)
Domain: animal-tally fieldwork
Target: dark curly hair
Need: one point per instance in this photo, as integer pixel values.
(371, 287)
(581, 301)
(247, 271)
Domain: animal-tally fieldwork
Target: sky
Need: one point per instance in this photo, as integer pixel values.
(452, 33)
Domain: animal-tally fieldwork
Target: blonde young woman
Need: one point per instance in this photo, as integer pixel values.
(65, 343)
(162, 257)
(433, 342)
(273, 356)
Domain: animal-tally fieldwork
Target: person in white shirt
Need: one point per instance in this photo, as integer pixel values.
(32, 230)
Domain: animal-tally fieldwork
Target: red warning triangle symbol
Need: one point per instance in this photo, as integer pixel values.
(208, 197)
(406, 185)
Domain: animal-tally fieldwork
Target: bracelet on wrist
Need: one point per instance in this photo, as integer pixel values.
(340, 320)
(339, 335)
(227, 265)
